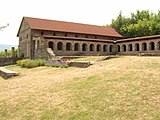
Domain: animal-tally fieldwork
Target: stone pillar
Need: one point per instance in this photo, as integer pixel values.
(5, 53)
(64, 46)
(13, 52)
(148, 46)
(140, 47)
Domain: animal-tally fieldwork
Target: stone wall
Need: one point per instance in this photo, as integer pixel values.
(79, 64)
(139, 46)
(73, 47)
(8, 61)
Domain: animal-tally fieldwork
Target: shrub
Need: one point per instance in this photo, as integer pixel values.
(27, 63)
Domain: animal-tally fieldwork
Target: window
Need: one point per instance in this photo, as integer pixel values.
(50, 45)
(68, 46)
(110, 48)
(98, 48)
(76, 47)
(136, 47)
(54, 34)
(60, 46)
(151, 46)
(124, 48)
(27, 36)
(42, 33)
(84, 47)
(105, 48)
(144, 46)
(91, 47)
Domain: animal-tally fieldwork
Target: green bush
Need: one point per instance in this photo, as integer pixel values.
(27, 63)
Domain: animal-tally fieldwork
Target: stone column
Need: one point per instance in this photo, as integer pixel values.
(13, 52)
(148, 47)
(5, 53)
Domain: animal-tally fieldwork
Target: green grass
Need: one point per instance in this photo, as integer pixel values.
(124, 88)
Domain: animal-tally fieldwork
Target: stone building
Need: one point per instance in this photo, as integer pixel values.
(64, 38)
(149, 45)
(75, 39)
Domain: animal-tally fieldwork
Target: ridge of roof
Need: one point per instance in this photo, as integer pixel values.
(63, 26)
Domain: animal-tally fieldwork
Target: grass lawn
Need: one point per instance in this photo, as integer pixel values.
(124, 88)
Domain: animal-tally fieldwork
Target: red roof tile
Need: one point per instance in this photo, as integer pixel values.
(53, 25)
(139, 38)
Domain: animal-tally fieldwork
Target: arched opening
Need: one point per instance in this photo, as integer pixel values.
(118, 48)
(151, 46)
(124, 48)
(68, 46)
(136, 47)
(98, 48)
(27, 36)
(130, 48)
(76, 47)
(144, 46)
(110, 48)
(38, 44)
(60, 46)
(50, 45)
(158, 45)
(91, 47)
(105, 48)
(84, 47)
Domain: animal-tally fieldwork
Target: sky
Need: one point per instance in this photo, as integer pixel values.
(96, 12)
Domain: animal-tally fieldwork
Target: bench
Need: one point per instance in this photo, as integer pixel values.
(4, 73)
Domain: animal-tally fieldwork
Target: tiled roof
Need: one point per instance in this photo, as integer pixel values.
(53, 25)
(139, 38)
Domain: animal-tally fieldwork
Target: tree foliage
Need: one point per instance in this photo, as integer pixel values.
(141, 23)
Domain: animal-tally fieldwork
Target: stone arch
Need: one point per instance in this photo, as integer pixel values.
(158, 45)
(124, 48)
(118, 48)
(111, 48)
(84, 47)
(91, 47)
(60, 46)
(144, 46)
(136, 47)
(50, 45)
(76, 47)
(27, 36)
(151, 46)
(130, 47)
(104, 48)
(68, 46)
(98, 48)
(38, 44)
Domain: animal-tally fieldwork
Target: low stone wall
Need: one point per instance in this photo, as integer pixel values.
(80, 64)
(4, 73)
(8, 61)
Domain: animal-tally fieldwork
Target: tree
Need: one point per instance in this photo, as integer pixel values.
(141, 23)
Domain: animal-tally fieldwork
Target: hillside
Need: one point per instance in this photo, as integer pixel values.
(123, 88)
(2, 47)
